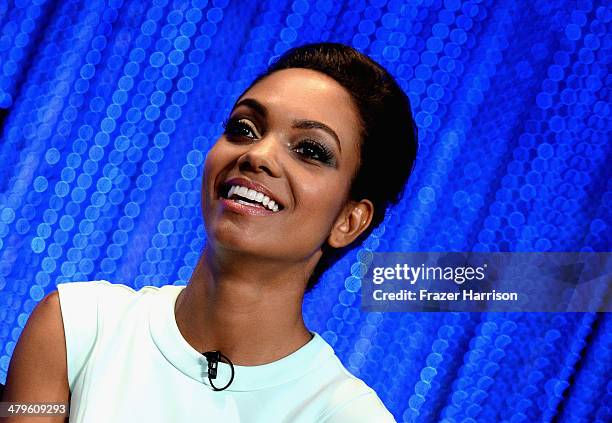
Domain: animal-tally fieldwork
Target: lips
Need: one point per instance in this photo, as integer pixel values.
(249, 194)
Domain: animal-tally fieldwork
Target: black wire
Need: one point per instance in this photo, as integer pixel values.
(213, 358)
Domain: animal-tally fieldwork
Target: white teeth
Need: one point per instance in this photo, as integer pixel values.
(252, 195)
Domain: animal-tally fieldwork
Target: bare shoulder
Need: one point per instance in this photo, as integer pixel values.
(38, 369)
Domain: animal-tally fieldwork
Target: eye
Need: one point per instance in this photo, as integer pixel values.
(315, 151)
(240, 127)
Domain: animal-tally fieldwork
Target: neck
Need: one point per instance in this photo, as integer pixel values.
(247, 308)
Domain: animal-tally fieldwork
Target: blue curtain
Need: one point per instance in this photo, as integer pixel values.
(107, 110)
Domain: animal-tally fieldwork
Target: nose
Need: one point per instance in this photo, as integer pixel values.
(262, 156)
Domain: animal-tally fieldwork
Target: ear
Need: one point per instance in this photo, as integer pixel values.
(354, 218)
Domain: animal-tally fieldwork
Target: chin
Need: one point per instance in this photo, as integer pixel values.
(231, 238)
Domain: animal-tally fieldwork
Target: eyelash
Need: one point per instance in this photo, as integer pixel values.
(233, 127)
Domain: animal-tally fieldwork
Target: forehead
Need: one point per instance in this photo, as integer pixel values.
(298, 93)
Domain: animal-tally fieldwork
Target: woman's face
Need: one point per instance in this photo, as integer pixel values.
(294, 137)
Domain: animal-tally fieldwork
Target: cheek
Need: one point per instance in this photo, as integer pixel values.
(212, 167)
(214, 162)
(207, 183)
(212, 157)
(321, 201)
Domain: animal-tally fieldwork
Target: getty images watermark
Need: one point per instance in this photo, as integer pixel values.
(479, 281)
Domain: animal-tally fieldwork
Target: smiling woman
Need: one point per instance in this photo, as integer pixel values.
(312, 155)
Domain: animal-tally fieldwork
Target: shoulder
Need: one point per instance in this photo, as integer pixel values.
(93, 288)
(362, 409)
(89, 310)
(38, 364)
(350, 399)
(94, 304)
(90, 294)
(45, 322)
(46, 318)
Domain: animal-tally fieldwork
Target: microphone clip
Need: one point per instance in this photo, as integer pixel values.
(213, 358)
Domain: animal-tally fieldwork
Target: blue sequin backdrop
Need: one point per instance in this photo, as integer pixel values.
(108, 107)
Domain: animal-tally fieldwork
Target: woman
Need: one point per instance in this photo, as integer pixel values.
(313, 153)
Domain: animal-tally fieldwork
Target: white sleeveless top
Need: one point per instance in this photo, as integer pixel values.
(127, 362)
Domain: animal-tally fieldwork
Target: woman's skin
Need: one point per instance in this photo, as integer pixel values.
(245, 296)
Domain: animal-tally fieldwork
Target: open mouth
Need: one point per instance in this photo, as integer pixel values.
(249, 197)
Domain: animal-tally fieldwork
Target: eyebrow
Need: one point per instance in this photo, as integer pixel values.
(257, 107)
(261, 110)
(313, 124)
